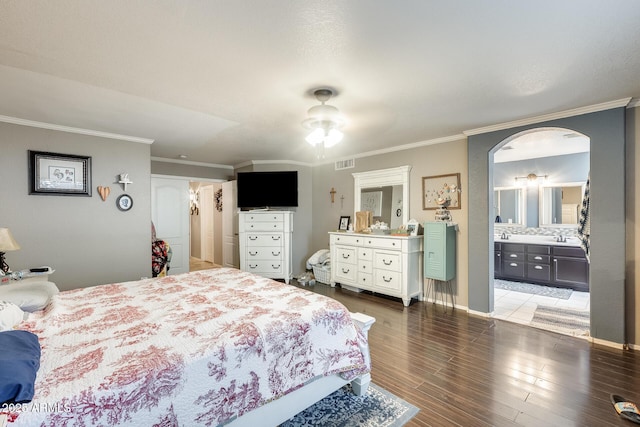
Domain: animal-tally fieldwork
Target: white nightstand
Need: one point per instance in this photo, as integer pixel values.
(26, 276)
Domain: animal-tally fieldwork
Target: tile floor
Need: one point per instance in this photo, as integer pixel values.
(519, 307)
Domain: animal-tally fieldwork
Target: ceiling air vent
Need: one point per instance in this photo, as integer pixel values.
(345, 164)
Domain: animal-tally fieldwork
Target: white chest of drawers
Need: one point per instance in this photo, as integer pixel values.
(265, 243)
(389, 265)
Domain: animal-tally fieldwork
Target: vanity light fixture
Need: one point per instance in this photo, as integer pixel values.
(325, 122)
(531, 179)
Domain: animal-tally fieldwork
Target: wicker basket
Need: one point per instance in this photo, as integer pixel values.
(322, 273)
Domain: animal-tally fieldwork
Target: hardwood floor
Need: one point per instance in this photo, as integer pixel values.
(196, 264)
(466, 370)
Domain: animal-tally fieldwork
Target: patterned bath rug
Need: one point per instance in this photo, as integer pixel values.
(378, 408)
(530, 288)
(564, 320)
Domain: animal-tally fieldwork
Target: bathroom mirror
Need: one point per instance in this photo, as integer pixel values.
(510, 205)
(385, 192)
(560, 204)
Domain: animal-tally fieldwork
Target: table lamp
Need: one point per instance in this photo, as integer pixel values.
(7, 243)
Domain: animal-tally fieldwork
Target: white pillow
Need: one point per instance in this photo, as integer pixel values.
(29, 296)
(10, 315)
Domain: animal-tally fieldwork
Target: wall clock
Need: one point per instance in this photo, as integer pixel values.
(124, 202)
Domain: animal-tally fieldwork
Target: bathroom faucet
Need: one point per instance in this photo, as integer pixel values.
(504, 236)
(561, 239)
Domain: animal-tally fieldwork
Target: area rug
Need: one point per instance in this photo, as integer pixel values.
(378, 408)
(564, 320)
(530, 288)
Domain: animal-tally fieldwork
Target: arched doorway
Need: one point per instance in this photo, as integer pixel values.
(540, 273)
(607, 133)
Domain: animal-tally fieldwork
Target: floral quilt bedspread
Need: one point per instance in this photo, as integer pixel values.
(193, 349)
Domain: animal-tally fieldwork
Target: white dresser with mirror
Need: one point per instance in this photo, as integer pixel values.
(385, 264)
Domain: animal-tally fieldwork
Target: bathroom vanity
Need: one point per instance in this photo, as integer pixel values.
(542, 260)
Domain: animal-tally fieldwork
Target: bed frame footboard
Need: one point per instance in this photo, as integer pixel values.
(364, 323)
(280, 410)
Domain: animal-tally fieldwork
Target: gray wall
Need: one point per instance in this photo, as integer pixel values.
(87, 241)
(607, 275)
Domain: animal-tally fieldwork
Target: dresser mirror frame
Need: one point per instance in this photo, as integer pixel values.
(545, 208)
(520, 208)
(376, 179)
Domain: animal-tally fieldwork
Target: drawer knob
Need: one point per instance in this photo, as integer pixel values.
(538, 267)
(275, 267)
(385, 279)
(253, 266)
(513, 256)
(253, 253)
(513, 264)
(253, 237)
(537, 258)
(384, 261)
(275, 237)
(275, 253)
(345, 270)
(345, 256)
(499, 254)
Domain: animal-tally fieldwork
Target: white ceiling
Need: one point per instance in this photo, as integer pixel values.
(229, 81)
(542, 142)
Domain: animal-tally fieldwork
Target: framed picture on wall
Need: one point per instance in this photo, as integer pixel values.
(441, 191)
(59, 174)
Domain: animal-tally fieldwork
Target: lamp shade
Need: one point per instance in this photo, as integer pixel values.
(7, 242)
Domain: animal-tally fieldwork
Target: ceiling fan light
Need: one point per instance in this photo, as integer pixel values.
(315, 137)
(334, 137)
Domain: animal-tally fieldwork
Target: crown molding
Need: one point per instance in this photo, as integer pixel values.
(634, 103)
(70, 129)
(403, 147)
(552, 116)
(190, 163)
(272, 162)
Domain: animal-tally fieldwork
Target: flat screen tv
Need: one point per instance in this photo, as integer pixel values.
(257, 190)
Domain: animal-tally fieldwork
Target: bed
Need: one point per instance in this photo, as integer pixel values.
(214, 347)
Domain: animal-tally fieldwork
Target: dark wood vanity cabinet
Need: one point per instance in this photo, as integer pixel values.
(570, 268)
(561, 266)
(513, 261)
(497, 259)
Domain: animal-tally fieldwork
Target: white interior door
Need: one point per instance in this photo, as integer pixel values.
(170, 214)
(230, 249)
(206, 212)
